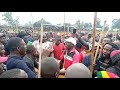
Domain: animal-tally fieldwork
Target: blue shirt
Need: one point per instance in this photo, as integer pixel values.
(87, 60)
(17, 62)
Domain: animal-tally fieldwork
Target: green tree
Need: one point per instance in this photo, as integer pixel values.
(7, 16)
(77, 24)
(98, 23)
(38, 23)
(116, 24)
(87, 25)
(82, 25)
(106, 27)
(66, 24)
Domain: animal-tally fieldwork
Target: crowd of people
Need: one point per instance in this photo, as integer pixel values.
(62, 56)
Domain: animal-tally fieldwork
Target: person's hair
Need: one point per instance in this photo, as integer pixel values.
(114, 46)
(118, 63)
(13, 73)
(13, 43)
(79, 45)
(21, 34)
(2, 36)
(57, 38)
(49, 68)
(29, 49)
(108, 38)
(78, 70)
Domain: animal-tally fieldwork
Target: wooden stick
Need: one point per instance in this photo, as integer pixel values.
(115, 36)
(99, 42)
(32, 26)
(40, 50)
(68, 27)
(64, 22)
(17, 25)
(107, 32)
(93, 42)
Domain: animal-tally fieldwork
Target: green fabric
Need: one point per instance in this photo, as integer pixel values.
(29, 43)
(99, 74)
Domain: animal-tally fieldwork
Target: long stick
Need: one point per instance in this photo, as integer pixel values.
(17, 25)
(68, 27)
(99, 42)
(32, 26)
(40, 49)
(107, 32)
(64, 22)
(93, 42)
(115, 36)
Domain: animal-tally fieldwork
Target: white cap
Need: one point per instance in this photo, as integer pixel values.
(71, 39)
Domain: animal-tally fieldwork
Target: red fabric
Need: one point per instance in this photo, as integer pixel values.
(114, 53)
(82, 48)
(82, 55)
(58, 50)
(71, 60)
(3, 59)
(112, 75)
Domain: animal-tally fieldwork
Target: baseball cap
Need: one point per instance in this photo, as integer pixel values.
(71, 39)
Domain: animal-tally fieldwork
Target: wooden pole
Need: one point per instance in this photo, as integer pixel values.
(99, 42)
(93, 42)
(68, 27)
(107, 32)
(40, 50)
(115, 35)
(17, 26)
(64, 22)
(32, 26)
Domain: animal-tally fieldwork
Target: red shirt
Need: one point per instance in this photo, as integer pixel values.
(82, 48)
(58, 50)
(72, 57)
(82, 55)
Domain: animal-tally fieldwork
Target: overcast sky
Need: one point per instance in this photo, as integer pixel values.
(58, 17)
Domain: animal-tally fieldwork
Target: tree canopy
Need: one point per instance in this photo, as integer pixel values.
(116, 24)
(38, 23)
(7, 16)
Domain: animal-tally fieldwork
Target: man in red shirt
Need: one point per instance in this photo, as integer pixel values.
(71, 55)
(58, 48)
(82, 53)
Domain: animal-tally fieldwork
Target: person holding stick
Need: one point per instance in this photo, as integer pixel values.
(104, 61)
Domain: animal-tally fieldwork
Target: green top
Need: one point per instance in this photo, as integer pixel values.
(29, 43)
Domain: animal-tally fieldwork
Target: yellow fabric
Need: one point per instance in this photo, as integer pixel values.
(61, 76)
(104, 74)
